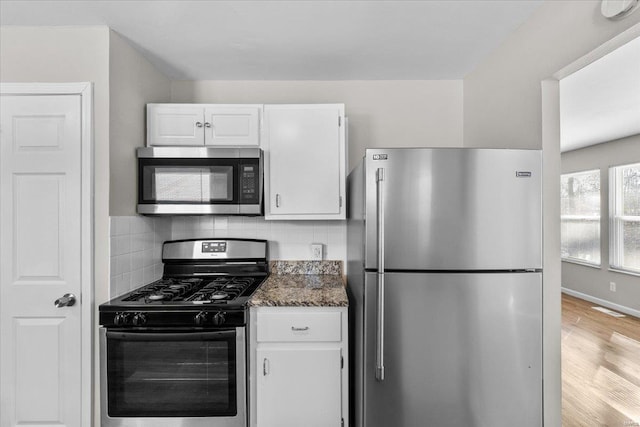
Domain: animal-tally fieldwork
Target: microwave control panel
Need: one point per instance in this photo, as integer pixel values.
(249, 184)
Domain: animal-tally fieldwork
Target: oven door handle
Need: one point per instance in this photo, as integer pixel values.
(172, 336)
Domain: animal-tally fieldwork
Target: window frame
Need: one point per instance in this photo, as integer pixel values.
(597, 220)
(617, 220)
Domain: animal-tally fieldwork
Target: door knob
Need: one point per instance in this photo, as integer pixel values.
(66, 300)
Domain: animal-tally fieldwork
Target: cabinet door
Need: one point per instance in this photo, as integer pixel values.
(306, 161)
(298, 386)
(175, 124)
(232, 125)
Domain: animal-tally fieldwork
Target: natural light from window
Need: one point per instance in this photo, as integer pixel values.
(580, 217)
(624, 213)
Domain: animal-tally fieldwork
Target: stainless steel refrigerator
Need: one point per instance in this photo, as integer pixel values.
(445, 286)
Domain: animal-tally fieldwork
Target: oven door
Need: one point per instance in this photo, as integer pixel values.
(168, 377)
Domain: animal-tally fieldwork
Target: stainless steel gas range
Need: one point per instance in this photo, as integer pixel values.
(173, 352)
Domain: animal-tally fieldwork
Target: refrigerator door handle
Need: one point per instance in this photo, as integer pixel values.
(380, 289)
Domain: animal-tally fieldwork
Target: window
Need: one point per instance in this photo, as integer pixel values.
(580, 217)
(624, 217)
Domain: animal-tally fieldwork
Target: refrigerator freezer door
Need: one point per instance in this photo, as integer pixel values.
(455, 209)
(461, 349)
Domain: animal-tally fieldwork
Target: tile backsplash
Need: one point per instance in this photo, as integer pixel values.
(136, 245)
(288, 240)
(136, 241)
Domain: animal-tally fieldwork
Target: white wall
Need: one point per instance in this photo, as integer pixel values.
(502, 95)
(511, 100)
(381, 113)
(595, 281)
(133, 82)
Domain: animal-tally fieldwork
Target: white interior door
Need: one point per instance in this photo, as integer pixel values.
(41, 235)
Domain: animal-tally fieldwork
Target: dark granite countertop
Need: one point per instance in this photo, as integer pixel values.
(302, 284)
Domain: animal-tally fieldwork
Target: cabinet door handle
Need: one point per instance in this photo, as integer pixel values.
(265, 366)
(207, 124)
(198, 124)
(277, 200)
(306, 328)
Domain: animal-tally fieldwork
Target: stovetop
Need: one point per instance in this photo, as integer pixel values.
(200, 287)
(180, 292)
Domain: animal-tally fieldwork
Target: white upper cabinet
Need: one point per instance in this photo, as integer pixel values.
(203, 124)
(232, 125)
(305, 161)
(175, 124)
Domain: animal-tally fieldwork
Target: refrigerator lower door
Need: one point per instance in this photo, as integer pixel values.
(460, 349)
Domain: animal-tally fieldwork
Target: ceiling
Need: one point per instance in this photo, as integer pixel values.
(347, 40)
(601, 102)
(295, 40)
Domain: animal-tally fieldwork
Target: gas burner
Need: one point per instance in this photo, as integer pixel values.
(219, 295)
(207, 296)
(166, 289)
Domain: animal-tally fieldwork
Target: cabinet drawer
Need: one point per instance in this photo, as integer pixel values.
(299, 327)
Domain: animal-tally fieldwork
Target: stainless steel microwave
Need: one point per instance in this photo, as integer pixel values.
(199, 180)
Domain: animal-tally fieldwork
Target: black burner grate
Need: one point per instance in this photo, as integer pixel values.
(194, 290)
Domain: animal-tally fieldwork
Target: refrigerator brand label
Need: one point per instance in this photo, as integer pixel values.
(523, 174)
(379, 157)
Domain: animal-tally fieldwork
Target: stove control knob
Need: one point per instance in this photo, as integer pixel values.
(201, 318)
(121, 319)
(218, 319)
(139, 319)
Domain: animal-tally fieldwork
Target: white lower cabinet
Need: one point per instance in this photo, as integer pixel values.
(298, 372)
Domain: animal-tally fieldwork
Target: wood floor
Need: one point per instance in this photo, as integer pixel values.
(600, 367)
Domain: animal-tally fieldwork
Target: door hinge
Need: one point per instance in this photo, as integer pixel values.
(341, 422)
(340, 201)
(339, 121)
(341, 362)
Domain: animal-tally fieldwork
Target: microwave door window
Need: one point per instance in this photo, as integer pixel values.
(218, 184)
(174, 184)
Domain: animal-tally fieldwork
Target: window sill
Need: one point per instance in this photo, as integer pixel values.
(582, 263)
(621, 271)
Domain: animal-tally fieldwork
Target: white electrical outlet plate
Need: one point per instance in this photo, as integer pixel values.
(612, 286)
(316, 251)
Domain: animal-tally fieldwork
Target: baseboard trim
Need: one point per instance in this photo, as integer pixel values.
(602, 302)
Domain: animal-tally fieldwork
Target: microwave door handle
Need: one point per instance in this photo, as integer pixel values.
(380, 276)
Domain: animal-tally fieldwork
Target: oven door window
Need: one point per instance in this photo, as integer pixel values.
(176, 374)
